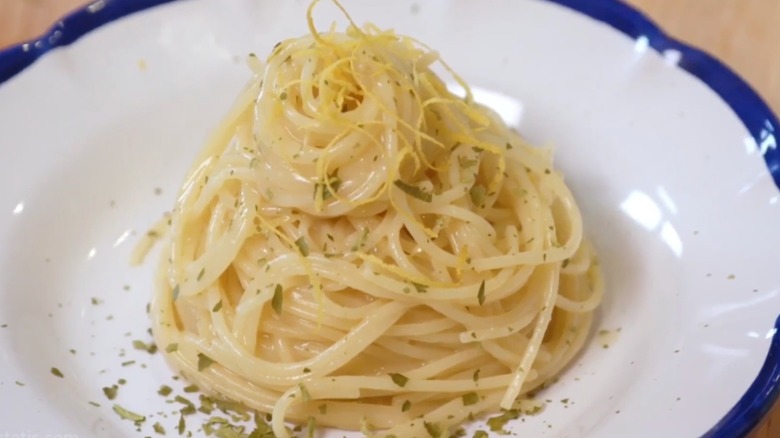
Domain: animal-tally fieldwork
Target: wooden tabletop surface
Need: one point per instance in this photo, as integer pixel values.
(742, 33)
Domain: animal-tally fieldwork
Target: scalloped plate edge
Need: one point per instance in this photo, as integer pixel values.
(754, 113)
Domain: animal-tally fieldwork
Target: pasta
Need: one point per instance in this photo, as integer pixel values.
(357, 247)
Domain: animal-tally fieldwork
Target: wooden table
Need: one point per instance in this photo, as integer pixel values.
(742, 33)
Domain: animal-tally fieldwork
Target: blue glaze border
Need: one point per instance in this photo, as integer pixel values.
(757, 400)
(73, 26)
(749, 107)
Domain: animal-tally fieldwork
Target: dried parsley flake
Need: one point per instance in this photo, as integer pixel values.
(204, 361)
(399, 379)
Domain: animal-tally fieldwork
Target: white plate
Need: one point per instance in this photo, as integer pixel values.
(672, 179)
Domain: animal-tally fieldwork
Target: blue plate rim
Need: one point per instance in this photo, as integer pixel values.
(751, 109)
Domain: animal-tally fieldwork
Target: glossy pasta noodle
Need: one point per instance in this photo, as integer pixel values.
(356, 247)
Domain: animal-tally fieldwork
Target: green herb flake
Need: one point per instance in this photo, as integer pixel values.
(165, 390)
(496, 424)
(399, 379)
(481, 293)
(361, 240)
(57, 372)
(303, 247)
(128, 415)
(181, 426)
(480, 434)
(110, 391)
(158, 428)
(204, 361)
(458, 433)
(477, 194)
(96, 301)
(421, 288)
(414, 191)
(175, 293)
(201, 273)
(150, 348)
(206, 404)
(276, 301)
(191, 388)
(188, 408)
(18, 383)
(433, 429)
(475, 377)
(262, 432)
(323, 189)
(565, 263)
(283, 96)
(508, 146)
(217, 306)
(323, 408)
(97, 405)
(406, 406)
(172, 347)
(470, 398)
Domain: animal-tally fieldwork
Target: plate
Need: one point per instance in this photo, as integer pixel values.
(672, 157)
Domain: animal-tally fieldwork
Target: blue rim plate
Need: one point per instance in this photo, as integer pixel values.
(754, 113)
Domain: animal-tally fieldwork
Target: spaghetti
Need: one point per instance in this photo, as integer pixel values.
(359, 248)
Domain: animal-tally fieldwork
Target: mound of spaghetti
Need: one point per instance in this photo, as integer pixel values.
(357, 247)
